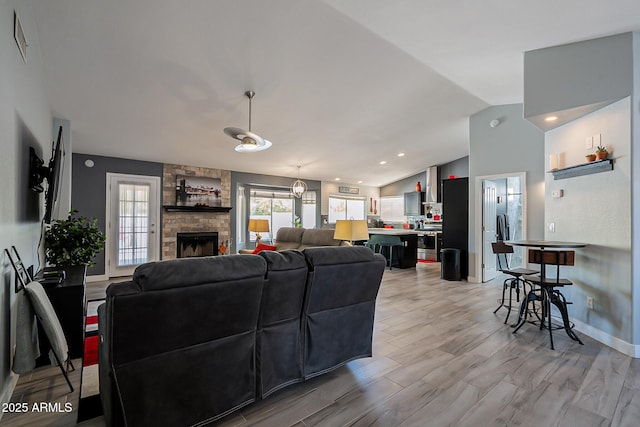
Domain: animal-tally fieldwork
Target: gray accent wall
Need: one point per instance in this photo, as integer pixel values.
(406, 185)
(89, 188)
(582, 76)
(514, 146)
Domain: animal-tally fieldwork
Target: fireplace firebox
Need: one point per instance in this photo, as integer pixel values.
(196, 244)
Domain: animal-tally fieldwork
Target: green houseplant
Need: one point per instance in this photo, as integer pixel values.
(73, 241)
(601, 152)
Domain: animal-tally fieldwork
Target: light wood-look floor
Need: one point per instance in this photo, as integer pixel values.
(441, 358)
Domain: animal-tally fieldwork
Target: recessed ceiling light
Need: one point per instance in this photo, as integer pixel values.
(383, 162)
(551, 119)
(337, 179)
(359, 182)
(400, 154)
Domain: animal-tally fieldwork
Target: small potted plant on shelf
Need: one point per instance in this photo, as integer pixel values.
(601, 152)
(590, 157)
(73, 241)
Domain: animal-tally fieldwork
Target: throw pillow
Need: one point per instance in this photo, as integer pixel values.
(262, 247)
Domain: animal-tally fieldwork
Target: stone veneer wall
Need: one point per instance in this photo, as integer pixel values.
(181, 222)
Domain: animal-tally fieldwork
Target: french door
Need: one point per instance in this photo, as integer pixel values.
(133, 217)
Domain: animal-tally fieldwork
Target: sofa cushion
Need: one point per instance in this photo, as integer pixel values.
(314, 237)
(289, 238)
(184, 272)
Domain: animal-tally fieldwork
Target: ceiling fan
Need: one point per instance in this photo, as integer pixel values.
(249, 142)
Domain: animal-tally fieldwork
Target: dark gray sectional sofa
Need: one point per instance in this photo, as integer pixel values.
(188, 341)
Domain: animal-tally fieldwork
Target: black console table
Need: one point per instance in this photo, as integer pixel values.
(68, 299)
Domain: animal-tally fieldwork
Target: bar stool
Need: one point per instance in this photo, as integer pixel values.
(549, 294)
(501, 250)
(378, 241)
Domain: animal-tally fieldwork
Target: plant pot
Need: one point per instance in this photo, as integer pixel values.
(590, 157)
(601, 155)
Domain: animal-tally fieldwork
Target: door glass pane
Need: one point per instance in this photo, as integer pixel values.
(133, 224)
(275, 207)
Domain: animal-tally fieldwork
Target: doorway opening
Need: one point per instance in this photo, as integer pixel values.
(503, 217)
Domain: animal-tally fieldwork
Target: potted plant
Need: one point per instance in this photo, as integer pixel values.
(73, 241)
(601, 152)
(590, 157)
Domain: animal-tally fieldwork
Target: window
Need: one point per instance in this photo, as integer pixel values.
(344, 207)
(392, 208)
(309, 209)
(276, 207)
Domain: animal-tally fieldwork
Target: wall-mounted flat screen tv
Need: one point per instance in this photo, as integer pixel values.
(52, 173)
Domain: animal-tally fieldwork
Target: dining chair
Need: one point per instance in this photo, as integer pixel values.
(515, 281)
(548, 289)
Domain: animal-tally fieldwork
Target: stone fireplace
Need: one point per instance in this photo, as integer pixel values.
(193, 221)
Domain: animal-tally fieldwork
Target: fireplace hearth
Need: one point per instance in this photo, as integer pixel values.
(196, 244)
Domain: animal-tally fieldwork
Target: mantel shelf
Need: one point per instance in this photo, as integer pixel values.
(170, 208)
(583, 169)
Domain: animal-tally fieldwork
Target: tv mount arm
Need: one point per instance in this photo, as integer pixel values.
(38, 172)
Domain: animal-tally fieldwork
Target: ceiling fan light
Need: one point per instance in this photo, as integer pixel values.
(250, 142)
(253, 148)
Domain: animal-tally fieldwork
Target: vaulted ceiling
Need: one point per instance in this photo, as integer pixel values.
(341, 85)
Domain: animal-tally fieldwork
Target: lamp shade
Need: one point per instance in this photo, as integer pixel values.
(351, 229)
(258, 225)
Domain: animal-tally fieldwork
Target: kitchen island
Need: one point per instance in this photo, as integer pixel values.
(407, 255)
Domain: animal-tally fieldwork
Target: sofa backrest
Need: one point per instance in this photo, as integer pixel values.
(279, 356)
(174, 318)
(289, 238)
(314, 237)
(339, 306)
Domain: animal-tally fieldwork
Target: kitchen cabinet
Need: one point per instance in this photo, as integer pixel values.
(413, 203)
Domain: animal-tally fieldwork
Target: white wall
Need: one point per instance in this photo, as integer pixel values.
(25, 119)
(596, 209)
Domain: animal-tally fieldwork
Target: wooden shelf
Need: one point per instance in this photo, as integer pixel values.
(170, 208)
(583, 169)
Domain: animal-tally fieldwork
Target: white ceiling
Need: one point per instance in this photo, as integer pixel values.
(340, 84)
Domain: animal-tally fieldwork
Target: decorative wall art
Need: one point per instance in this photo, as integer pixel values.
(198, 191)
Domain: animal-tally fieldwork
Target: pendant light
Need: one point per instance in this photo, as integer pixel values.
(249, 142)
(298, 187)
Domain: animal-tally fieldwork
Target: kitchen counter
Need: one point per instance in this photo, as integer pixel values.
(392, 231)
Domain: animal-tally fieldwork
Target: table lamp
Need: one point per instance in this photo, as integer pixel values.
(258, 226)
(351, 229)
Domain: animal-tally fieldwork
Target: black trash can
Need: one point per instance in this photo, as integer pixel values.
(450, 264)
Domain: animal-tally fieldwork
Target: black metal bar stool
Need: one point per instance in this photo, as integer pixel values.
(502, 250)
